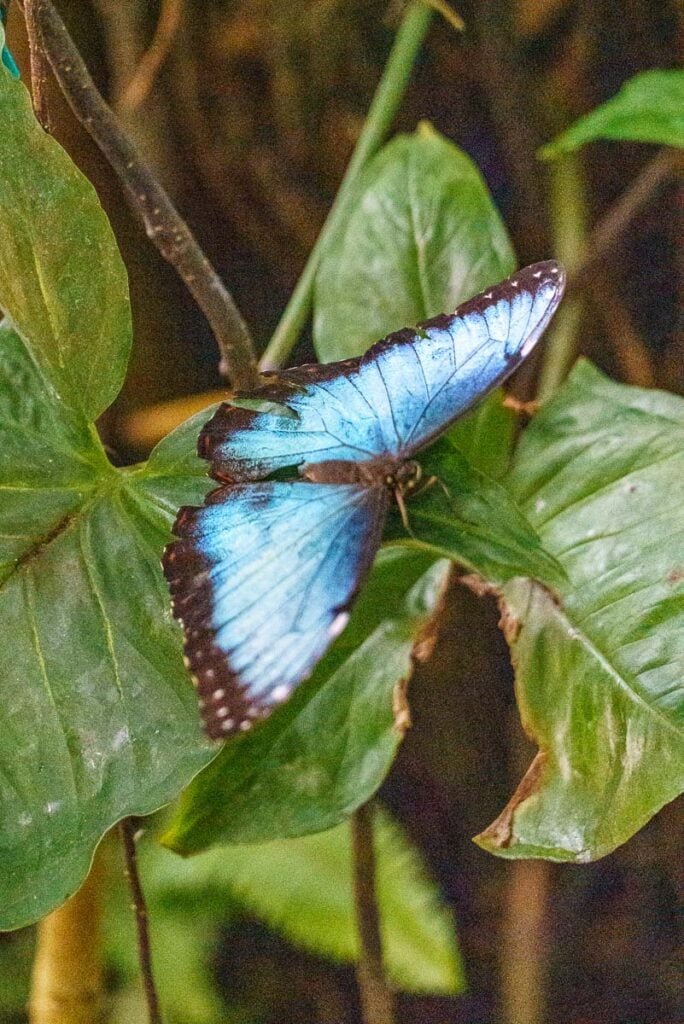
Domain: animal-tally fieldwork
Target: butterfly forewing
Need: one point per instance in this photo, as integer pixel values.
(393, 400)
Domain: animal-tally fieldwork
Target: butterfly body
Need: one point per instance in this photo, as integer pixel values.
(394, 474)
(262, 576)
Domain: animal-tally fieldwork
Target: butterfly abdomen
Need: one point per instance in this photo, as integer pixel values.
(340, 471)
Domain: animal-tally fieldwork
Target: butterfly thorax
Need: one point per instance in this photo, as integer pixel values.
(394, 474)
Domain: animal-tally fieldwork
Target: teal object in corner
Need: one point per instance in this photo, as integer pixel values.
(7, 58)
(9, 62)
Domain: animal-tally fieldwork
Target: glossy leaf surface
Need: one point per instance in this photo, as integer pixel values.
(467, 517)
(98, 720)
(600, 677)
(329, 748)
(648, 108)
(423, 236)
(62, 280)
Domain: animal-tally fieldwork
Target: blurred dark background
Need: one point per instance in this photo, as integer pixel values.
(249, 122)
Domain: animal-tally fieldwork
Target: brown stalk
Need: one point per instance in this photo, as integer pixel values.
(39, 66)
(67, 979)
(127, 828)
(376, 998)
(142, 81)
(613, 225)
(163, 224)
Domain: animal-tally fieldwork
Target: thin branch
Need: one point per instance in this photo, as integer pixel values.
(613, 225)
(127, 829)
(448, 13)
(600, 242)
(142, 81)
(162, 222)
(386, 101)
(39, 66)
(569, 220)
(527, 901)
(376, 999)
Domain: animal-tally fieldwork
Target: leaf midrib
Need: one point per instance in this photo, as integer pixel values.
(597, 654)
(95, 492)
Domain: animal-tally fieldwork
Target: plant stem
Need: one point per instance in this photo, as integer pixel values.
(142, 81)
(38, 66)
(603, 238)
(524, 959)
(383, 109)
(527, 900)
(163, 224)
(613, 225)
(376, 999)
(127, 829)
(66, 981)
(569, 217)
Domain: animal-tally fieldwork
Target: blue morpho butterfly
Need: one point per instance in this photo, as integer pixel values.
(262, 576)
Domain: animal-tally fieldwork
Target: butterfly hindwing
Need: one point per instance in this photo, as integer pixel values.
(261, 578)
(395, 399)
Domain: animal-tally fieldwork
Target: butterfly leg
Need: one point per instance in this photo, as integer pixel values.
(430, 482)
(398, 494)
(423, 486)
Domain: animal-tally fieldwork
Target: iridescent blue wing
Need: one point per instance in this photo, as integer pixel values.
(261, 579)
(395, 399)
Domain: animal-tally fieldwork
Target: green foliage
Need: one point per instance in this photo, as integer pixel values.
(467, 517)
(98, 720)
(422, 236)
(16, 954)
(600, 474)
(62, 280)
(328, 749)
(648, 108)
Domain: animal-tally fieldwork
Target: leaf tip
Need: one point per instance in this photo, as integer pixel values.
(426, 130)
(500, 835)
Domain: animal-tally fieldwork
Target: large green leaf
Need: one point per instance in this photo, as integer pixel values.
(62, 280)
(97, 717)
(49, 464)
(422, 236)
(599, 676)
(648, 108)
(303, 888)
